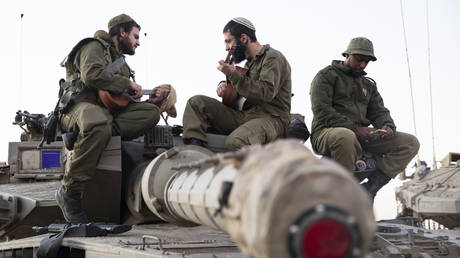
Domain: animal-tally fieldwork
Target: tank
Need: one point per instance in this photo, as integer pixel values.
(433, 194)
(276, 200)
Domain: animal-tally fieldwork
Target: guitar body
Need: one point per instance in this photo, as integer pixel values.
(230, 97)
(113, 102)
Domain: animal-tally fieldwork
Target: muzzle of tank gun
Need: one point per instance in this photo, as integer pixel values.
(276, 200)
(325, 224)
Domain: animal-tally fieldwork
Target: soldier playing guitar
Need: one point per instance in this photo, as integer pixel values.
(226, 91)
(266, 85)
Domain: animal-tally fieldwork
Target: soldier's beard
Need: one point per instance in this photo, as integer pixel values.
(239, 54)
(125, 46)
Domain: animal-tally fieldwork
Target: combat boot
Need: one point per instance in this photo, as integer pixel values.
(71, 206)
(194, 141)
(376, 180)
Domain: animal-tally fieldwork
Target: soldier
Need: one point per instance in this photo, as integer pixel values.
(266, 86)
(83, 115)
(344, 104)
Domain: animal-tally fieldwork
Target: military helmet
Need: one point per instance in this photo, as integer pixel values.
(362, 46)
(119, 19)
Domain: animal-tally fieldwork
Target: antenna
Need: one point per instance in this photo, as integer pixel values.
(410, 79)
(20, 60)
(429, 80)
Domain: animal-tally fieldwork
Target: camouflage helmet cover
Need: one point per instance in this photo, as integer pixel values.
(119, 19)
(361, 46)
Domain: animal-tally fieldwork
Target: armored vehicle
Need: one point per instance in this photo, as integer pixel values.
(434, 194)
(276, 200)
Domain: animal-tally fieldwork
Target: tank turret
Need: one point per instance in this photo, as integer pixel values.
(433, 194)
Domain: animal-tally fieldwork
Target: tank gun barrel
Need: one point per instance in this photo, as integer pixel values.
(276, 200)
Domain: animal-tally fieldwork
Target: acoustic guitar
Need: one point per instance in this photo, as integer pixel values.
(114, 102)
(229, 97)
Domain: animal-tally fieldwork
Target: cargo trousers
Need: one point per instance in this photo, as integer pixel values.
(252, 126)
(342, 145)
(96, 125)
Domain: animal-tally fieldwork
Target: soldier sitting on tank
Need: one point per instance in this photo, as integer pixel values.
(266, 85)
(87, 118)
(344, 104)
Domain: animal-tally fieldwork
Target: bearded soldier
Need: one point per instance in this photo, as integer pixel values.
(344, 104)
(97, 65)
(265, 86)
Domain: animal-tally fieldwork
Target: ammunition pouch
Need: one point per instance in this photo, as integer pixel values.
(73, 91)
(68, 97)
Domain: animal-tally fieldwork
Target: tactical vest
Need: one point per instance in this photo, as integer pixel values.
(73, 89)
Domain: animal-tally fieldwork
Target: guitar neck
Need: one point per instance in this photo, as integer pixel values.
(149, 92)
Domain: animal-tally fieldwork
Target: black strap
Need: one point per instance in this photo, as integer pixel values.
(80, 96)
(116, 65)
(51, 245)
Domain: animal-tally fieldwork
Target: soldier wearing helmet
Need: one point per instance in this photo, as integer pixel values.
(344, 104)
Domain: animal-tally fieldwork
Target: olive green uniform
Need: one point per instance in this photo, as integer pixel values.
(95, 123)
(267, 89)
(342, 102)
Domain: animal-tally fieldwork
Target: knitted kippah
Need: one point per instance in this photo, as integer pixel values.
(245, 22)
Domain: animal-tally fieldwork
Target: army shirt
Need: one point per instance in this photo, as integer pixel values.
(267, 83)
(340, 98)
(89, 64)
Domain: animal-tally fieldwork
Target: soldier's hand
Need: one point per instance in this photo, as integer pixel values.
(136, 89)
(159, 96)
(364, 134)
(388, 134)
(221, 88)
(225, 68)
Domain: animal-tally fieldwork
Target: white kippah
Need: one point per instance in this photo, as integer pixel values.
(245, 22)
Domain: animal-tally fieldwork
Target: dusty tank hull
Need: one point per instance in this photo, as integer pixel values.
(262, 202)
(392, 239)
(142, 241)
(434, 194)
(396, 239)
(27, 193)
(157, 179)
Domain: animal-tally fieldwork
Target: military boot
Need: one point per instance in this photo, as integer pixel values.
(194, 141)
(376, 180)
(71, 206)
